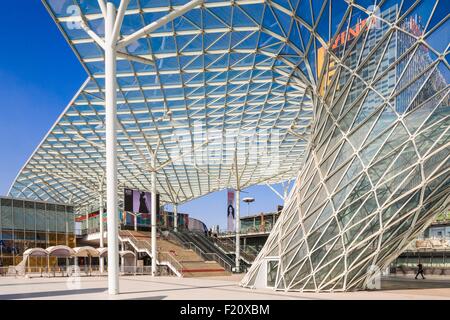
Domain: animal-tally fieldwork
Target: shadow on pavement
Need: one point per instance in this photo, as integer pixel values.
(53, 294)
(149, 298)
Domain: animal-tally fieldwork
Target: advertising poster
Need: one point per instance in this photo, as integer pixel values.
(137, 201)
(230, 210)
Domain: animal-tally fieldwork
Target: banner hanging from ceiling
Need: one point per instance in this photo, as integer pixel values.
(231, 196)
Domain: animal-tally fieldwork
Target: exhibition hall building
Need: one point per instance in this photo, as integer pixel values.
(348, 100)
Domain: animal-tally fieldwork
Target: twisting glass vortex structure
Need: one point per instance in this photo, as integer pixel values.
(377, 169)
(352, 95)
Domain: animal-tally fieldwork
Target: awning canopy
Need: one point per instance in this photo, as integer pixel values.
(127, 254)
(102, 252)
(86, 252)
(36, 252)
(60, 251)
(225, 103)
(65, 251)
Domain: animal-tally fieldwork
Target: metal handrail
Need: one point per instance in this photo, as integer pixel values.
(45, 271)
(249, 230)
(204, 255)
(250, 250)
(174, 262)
(178, 266)
(220, 260)
(230, 247)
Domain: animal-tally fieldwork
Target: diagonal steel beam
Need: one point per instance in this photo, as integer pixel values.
(158, 23)
(119, 19)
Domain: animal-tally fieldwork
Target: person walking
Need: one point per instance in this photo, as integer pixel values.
(420, 271)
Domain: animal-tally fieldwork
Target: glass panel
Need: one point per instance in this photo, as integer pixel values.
(6, 214)
(61, 218)
(41, 217)
(71, 220)
(272, 270)
(30, 216)
(51, 218)
(18, 211)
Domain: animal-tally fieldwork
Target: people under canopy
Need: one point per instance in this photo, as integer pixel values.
(103, 252)
(60, 251)
(128, 261)
(27, 254)
(85, 252)
(128, 258)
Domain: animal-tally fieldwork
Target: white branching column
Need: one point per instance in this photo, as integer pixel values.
(238, 230)
(153, 220)
(100, 219)
(111, 150)
(175, 217)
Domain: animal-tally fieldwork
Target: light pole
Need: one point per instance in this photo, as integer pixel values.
(248, 200)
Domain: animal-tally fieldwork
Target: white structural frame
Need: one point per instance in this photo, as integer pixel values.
(58, 186)
(102, 232)
(111, 148)
(285, 90)
(112, 45)
(175, 217)
(238, 231)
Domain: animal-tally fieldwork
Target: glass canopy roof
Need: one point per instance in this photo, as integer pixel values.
(226, 103)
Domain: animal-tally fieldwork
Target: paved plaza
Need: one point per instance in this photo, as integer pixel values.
(219, 288)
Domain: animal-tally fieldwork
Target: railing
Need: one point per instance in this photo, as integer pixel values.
(54, 271)
(207, 256)
(250, 230)
(83, 232)
(145, 270)
(163, 258)
(86, 271)
(204, 255)
(225, 244)
(247, 253)
(429, 244)
(166, 256)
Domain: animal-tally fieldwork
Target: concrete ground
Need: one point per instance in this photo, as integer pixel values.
(217, 288)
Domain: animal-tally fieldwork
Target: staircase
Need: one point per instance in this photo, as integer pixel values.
(184, 262)
(228, 246)
(138, 240)
(223, 250)
(204, 247)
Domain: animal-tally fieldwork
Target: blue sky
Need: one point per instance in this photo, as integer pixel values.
(39, 75)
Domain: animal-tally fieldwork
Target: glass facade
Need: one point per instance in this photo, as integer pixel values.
(378, 169)
(258, 223)
(28, 224)
(164, 220)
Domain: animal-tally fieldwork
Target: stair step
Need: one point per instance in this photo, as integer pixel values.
(203, 270)
(205, 274)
